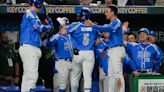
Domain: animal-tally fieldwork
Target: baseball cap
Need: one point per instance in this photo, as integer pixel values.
(152, 33)
(145, 30)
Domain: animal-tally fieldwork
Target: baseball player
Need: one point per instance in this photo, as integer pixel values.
(144, 54)
(128, 68)
(152, 37)
(62, 47)
(30, 41)
(115, 75)
(100, 52)
(132, 37)
(128, 64)
(83, 43)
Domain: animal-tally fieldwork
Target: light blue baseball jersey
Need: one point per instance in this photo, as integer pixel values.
(144, 55)
(103, 61)
(62, 46)
(31, 28)
(115, 30)
(83, 36)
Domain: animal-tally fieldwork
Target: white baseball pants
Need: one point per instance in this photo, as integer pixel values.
(115, 71)
(61, 79)
(103, 81)
(84, 62)
(30, 56)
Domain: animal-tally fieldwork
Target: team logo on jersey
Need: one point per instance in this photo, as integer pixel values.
(144, 55)
(67, 46)
(147, 56)
(87, 29)
(140, 54)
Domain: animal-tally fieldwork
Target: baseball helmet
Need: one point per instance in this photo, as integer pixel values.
(63, 21)
(36, 3)
(152, 33)
(84, 13)
(66, 20)
(145, 30)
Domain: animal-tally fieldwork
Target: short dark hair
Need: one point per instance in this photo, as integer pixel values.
(113, 8)
(133, 35)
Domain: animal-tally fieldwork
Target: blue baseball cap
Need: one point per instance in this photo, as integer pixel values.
(145, 30)
(36, 3)
(152, 33)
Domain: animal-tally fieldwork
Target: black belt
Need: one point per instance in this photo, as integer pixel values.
(65, 59)
(28, 44)
(145, 70)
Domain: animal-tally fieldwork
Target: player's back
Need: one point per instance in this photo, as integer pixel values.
(83, 36)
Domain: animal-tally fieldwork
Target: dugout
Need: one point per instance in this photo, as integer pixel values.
(138, 17)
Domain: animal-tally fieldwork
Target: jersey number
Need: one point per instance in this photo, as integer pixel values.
(86, 39)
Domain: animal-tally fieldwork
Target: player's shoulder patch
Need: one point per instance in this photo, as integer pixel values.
(54, 37)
